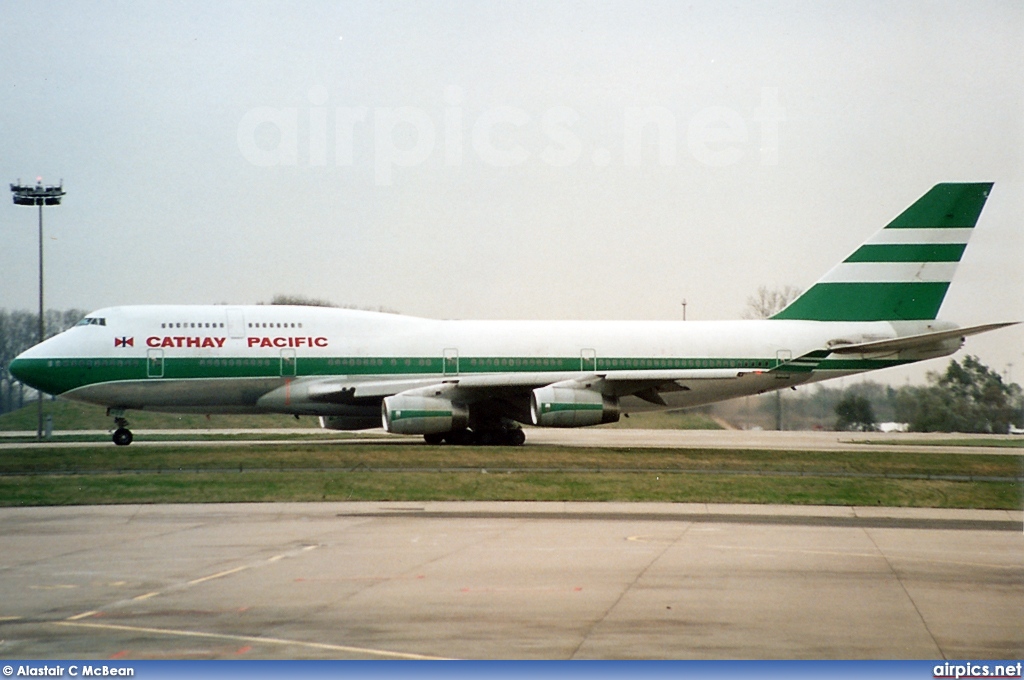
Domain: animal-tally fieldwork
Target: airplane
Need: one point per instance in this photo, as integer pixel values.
(464, 382)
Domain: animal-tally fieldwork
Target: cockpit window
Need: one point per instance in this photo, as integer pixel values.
(92, 321)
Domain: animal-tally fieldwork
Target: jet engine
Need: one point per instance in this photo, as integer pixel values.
(415, 414)
(571, 407)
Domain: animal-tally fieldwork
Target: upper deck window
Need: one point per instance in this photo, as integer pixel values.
(92, 321)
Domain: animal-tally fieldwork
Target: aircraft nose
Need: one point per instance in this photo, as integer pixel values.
(17, 368)
(28, 371)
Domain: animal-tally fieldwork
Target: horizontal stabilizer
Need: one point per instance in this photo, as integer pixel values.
(917, 341)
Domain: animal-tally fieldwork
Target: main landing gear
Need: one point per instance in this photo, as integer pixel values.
(122, 435)
(512, 436)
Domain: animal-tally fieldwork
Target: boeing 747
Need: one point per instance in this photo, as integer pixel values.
(477, 381)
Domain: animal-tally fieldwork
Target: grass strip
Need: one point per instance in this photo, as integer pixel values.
(206, 487)
(414, 455)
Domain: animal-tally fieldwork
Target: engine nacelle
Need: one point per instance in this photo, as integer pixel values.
(414, 414)
(571, 407)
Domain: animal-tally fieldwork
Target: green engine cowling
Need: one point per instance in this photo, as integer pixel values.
(415, 414)
(571, 407)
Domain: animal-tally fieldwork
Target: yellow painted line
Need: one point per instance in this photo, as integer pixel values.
(253, 639)
(63, 586)
(219, 574)
(146, 596)
(81, 616)
(310, 547)
(9, 618)
(275, 558)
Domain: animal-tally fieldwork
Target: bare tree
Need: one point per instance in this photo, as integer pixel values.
(769, 301)
(304, 301)
(301, 301)
(19, 330)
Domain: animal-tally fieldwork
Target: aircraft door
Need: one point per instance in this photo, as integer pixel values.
(236, 323)
(288, 362)
(588, 360)
(782, 356)
(451, 361)
(155, 363)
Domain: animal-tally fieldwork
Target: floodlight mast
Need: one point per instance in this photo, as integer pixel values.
(39, 195)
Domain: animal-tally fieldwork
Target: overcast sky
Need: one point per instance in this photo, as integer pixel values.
(504, 159)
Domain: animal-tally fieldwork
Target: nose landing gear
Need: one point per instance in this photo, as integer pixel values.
(122, 435)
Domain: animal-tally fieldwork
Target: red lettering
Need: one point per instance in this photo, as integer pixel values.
(220, 341)
(252, 342)
(192, 342)
(180, 340)
(153, 341)
(280, 342)
(320, 342)
(265, 342)
(167, 342)
(208, 342)
(299, 342)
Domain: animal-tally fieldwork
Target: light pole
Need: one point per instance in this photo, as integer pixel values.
(39, 195)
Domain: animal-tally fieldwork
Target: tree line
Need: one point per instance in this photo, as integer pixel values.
(967, 396)
(19, 330)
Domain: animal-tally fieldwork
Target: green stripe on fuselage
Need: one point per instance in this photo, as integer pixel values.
(57, 376)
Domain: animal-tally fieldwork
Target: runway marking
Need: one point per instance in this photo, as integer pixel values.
(219, 574)
(254, 639)
(83, 615)
(62, 586)
(193, 582)
(348, 579)
(9, 618)
(651, 539)
(538, 589)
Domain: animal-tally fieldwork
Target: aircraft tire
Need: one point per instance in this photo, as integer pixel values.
(515, 437)
(122, 436)
(459, 437)
(434, 438)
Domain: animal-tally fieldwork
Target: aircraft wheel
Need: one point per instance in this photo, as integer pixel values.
(122, 436)
(515, 437)
(459, 437)
(434, 438)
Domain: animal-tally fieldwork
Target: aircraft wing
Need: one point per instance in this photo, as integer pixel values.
(645, 384)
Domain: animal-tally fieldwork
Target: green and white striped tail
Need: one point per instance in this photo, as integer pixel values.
(903, 271)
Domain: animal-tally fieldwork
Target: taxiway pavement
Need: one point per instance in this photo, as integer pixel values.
(509, 580)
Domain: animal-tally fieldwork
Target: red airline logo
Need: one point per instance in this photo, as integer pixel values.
(183, 341)
(288, 342)
(196, 341)
(124, 342)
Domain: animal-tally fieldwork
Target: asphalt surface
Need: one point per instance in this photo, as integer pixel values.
(912, 442)
(509, 580)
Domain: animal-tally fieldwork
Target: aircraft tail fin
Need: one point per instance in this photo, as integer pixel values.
(904, 270)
